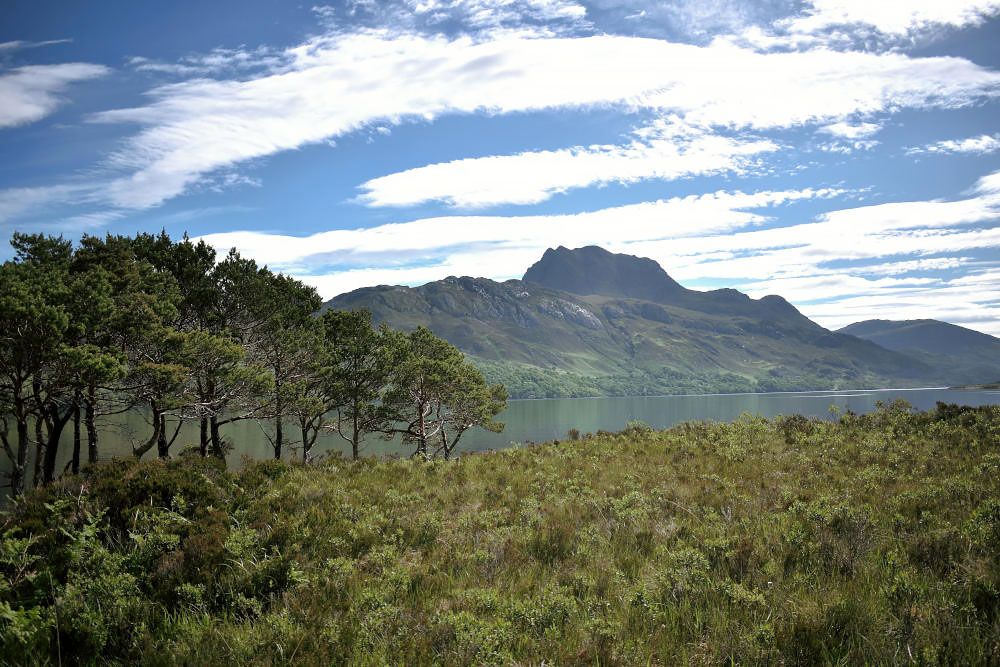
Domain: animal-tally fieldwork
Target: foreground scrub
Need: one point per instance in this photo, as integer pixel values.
(872, 539)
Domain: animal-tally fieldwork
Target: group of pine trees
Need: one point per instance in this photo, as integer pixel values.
(159, 326)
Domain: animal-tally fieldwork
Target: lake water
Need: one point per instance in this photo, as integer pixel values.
(548, 419)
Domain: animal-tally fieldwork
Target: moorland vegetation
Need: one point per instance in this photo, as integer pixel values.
(864, 539)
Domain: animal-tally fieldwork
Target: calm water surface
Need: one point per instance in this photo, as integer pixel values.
(548, 419)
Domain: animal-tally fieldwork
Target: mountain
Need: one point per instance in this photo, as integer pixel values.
(592, 270)
(589, 322)
(972, 355)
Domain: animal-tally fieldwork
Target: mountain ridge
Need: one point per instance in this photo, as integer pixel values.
(592, 270)
(967, 351)
(637, 332)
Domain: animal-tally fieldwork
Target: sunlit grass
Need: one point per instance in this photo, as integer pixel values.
(869, 540)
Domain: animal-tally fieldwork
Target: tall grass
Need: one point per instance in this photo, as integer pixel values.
(871, 539)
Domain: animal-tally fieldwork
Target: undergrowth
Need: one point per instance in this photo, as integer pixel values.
(867, 539)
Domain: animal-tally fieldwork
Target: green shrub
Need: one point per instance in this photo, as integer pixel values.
(871, 539)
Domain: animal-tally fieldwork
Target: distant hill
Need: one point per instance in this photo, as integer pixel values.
(970, 354)
(595, 271)
(589, 322)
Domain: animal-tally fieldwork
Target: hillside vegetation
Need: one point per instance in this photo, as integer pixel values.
(588, 322)
(971, 353)
(868, 539)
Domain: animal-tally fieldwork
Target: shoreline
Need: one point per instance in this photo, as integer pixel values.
(758, 393)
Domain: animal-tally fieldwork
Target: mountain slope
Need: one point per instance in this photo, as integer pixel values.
(589, 322)
(595, 271)
(971, 355)
(926, 335)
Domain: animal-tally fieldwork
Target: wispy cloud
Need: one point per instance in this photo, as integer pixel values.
(851, 130)
(491, 13)
(20, 44)
(969, 300)
(892, 17)
(339, 83)
(217, 62)
(981, 145)
(17, 203)
(33, 92)
(719, 237)
(469, 16)
(475, 242)
(664, 150)
(863, 23)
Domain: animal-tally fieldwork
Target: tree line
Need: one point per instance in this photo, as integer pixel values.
(165, 328)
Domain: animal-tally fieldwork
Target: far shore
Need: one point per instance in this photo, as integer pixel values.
(977, 387)
(756, 393)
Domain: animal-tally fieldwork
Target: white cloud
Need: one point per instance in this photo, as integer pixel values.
(337, 84)
(841, 256)
(851, 131)
(703, 18)
(472, 241)
(989, 184)
(16, 203)
(862, 24)
(662, 151)
(64, 207)
(688, 235)
(848, 147)
(219, 61)
(456, 16)
(968, 300)
(20, 44)
(30, 93)
(981, 145)
(892, 17)
(909, 266)
(489, 13)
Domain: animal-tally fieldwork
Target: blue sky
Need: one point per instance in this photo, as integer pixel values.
(842, 153)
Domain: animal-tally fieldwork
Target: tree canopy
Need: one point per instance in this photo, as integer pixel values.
(166, 329)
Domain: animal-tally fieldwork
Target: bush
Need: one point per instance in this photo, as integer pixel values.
(867, 540)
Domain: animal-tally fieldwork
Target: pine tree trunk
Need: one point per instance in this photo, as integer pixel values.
(39, 450)
(203, 441)
(17, 474)
(355, 438)
(75, 465)
(306, 445)
(278, 413)
(52, 444)
(213, 424)
(422, 439)
(162, 446)
(90, 420)
(155, 437)
(277, 437)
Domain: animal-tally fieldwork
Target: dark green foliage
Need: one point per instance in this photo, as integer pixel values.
(157, 326)
(113, 553)
(868, 540)
(360, 361)
(435, 395)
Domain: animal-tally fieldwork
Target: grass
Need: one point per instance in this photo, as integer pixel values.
(871, 539)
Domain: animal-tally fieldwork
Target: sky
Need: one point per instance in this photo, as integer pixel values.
(844, 154)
